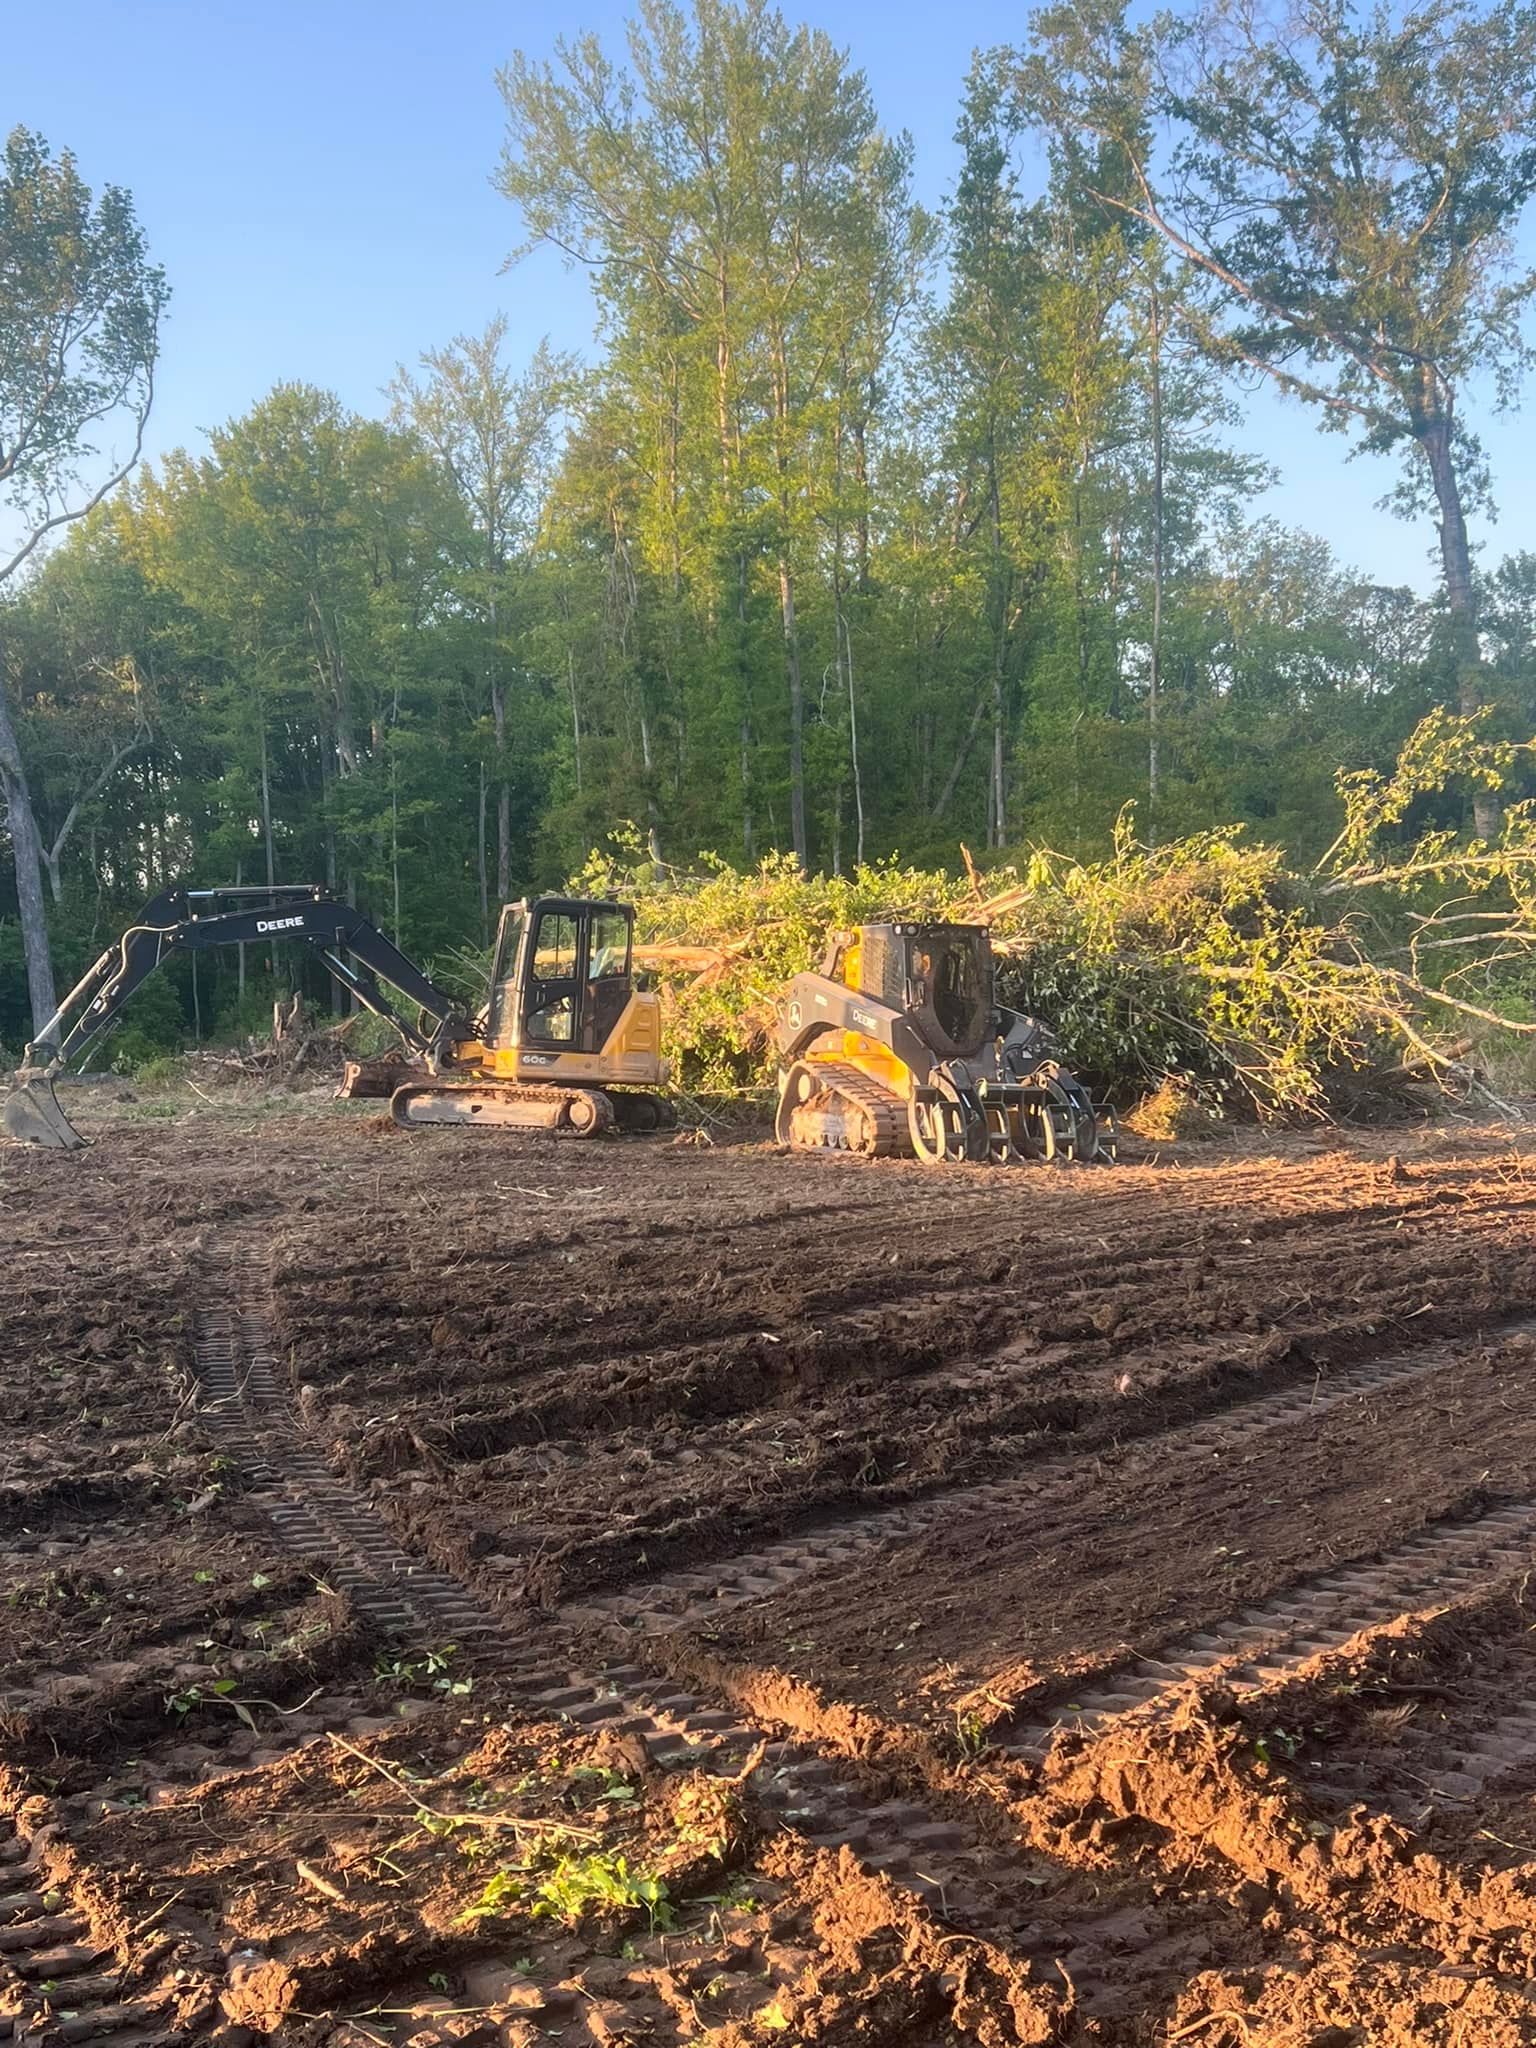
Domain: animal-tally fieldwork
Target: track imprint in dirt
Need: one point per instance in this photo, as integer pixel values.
(1448, 1563)
(694, 1598)
(467, 1457)
(945, 1864)
(63, 1992)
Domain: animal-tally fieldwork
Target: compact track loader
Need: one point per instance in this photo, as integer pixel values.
(565, 1042)
(898, 1046)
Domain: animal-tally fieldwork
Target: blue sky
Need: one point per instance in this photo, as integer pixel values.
(316, 180)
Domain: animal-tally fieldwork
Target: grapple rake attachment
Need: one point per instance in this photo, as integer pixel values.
(1010, 1123)
(1047, 1117)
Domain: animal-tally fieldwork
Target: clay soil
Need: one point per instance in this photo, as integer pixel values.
(1125, 1580)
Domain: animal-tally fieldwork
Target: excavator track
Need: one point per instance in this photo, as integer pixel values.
(507, 1105)
(826, 1106)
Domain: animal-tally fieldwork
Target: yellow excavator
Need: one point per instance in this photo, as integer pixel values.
(565, 1041)
(898, 1047)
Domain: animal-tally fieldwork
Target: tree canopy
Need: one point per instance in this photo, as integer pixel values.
(862, 533)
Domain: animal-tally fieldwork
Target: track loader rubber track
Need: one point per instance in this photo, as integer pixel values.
(825, 1106)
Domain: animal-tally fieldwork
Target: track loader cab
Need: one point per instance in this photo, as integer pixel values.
(939, 975)
(899, 1045)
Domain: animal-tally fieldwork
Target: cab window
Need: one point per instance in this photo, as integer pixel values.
(610, 946)
(956, 990)
(554, 956)
(504, 974)
(552, 1012)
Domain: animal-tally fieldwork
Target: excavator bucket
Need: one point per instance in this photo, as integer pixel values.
(32, 1116)
(377, 1079)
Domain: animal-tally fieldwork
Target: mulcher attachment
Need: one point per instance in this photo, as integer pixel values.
(825, 1106)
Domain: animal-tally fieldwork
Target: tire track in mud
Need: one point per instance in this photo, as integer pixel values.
(695, 1597)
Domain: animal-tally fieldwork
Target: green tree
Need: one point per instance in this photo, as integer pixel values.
(747, 225)
(80, 312)
(1347, 182)
(493, 431)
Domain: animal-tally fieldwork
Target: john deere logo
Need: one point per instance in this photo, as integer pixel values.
(278, 924)
(794, 1015)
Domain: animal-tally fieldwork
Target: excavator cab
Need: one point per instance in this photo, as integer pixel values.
(561, 978)
(570, 1045)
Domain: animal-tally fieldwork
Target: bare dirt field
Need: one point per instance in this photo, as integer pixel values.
(502, 1591)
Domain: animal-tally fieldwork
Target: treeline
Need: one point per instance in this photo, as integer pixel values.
(867, 531)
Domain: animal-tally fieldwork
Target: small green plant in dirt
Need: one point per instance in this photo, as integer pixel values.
(970, 1734)
(152, 1112)
(218, 1692)
(594, 1785)
(563, 1879)
(432, 1671)
(738, 1897)
(1273, 1742)
(160, 1070)
(48, 1591)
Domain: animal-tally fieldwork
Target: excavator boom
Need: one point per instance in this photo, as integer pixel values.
(357, 953)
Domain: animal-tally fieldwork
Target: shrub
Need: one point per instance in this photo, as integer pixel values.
(1197, 961)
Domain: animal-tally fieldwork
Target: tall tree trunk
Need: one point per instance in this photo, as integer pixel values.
(846, 638)
(338, 1002)
(503, 796)
(997, 804)
(962, 755)
(570, 671)
(652, 815)
(748, 848)
(861, 475)
(748, 834)
(27, 848)
(1155, 668)
(240, 949)
(266, 804)
(1435, 437)
(394, 846)
(997, 794)
(797, 831)
(503, 786)
(485, 879)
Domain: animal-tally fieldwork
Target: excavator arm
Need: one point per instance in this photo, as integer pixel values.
(357, 953)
